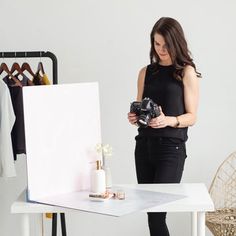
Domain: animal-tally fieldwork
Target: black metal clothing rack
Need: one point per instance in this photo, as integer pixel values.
(39, 54)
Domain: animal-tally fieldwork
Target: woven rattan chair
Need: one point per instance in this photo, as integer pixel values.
(222, 222)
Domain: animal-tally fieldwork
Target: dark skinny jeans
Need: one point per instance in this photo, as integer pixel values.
(159, 160)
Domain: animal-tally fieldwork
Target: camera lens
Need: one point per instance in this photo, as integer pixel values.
(144, 119)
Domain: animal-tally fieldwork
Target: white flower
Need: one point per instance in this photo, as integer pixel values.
(104, 149)
(107, 150)
(99, 148)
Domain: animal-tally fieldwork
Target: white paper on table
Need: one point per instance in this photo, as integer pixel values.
(135, 200)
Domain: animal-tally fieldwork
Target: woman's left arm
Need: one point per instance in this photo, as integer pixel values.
(191, 98)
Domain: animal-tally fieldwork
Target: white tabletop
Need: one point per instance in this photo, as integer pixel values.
(197, 199)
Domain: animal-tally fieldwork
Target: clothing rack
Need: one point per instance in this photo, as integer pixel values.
(39, 54)
(31, 54)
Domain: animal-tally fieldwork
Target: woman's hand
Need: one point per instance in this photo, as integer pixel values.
(132, 118)
(159, 122)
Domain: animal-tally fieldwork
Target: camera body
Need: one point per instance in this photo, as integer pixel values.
(145, 110)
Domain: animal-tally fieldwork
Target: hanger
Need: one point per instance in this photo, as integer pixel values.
(5, 68)
(40, 66)
(16, 67)
(26, 66)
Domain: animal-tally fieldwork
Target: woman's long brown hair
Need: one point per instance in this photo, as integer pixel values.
(176, 44)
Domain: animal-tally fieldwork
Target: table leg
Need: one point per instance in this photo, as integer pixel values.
(25, 221)
(194, 223)
(54, 224)
(201, 224)
(38, 224)
(63, 224)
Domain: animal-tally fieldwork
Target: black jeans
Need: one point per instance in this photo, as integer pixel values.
(159, 160)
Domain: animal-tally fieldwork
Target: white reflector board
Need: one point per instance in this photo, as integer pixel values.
(62, 128)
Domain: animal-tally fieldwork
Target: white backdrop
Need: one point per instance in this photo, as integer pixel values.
(61, 147)
(108, 41)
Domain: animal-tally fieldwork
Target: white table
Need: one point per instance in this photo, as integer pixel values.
(197, 202)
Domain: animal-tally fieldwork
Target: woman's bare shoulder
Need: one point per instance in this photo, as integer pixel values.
(189, 71)
(142, 73)
(190, 78)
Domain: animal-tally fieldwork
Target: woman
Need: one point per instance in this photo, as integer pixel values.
(171, 81)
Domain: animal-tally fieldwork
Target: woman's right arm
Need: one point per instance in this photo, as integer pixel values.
(141, 77)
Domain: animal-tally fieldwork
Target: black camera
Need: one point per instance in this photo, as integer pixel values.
(145, 110)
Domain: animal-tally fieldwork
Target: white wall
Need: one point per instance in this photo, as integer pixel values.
(108, 41)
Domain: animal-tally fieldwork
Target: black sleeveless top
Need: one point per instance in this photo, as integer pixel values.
(161, 86)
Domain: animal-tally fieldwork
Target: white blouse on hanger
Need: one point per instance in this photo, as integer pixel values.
(7, 120)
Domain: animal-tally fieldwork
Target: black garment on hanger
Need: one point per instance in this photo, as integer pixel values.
(18, 130)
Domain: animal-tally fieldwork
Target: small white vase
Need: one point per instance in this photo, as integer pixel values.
(108, 176)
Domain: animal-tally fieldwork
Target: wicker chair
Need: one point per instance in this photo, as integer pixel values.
(222, 222)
